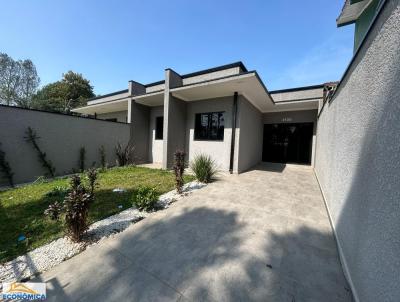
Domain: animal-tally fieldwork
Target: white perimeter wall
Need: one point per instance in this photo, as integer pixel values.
(358, 163)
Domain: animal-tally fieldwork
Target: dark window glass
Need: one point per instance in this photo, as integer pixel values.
(209, 126)
(159, 127)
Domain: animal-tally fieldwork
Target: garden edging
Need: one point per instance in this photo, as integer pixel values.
(59, 250)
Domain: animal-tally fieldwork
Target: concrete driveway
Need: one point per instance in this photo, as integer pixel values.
(263, 235)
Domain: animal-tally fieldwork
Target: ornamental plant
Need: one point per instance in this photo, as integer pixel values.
(82, 157)
(203, 167)
(32, 137)
(179, 169)
(124, 154)
(76, 205)
(145, 198)
(5, 168)
(103, 161)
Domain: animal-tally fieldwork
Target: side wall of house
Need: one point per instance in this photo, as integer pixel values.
(155, 145)
(61, 137)
(250, 135)
(121, 116)
(358, 162)
(218, 150)
(140, 122)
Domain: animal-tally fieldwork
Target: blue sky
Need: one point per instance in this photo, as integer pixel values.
(290, 43)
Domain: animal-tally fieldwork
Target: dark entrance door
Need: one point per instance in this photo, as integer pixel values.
(288, 143)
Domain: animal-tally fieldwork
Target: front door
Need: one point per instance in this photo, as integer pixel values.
(288, 143)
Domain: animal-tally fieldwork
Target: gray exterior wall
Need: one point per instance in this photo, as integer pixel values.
(61, 137)
(121, 116)
(250, 135)
(303, 116)
(211, 75)
(358, 162)
(299, 95)
(140, 122)
(155, 145)
(218, 150)
(109, 98)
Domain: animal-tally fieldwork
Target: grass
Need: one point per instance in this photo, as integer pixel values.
(21, 209)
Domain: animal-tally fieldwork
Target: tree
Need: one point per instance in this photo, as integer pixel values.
(18, 81)
(29, 82)
(72, 91)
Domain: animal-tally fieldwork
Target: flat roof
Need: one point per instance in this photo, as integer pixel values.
(184, 76)
(297, 88)
(351, 11)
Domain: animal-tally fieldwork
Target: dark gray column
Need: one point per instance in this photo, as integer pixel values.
(174, 119)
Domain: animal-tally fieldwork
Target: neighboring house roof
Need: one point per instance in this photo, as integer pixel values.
(351, 11)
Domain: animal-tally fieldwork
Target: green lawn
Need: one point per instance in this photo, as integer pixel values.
(21, 209)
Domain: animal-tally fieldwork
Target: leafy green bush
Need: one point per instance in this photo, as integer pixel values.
(145, 198)
(204, 168)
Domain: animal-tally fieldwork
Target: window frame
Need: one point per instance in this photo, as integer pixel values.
(156, 130)
(209, 138)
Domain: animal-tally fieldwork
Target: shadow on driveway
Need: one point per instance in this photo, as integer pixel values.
(203, 254)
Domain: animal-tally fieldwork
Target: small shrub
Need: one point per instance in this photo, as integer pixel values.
(54, 211)
(58, 191)
(6, 168)
(92, 178)
(145, 198)
(82, 157)
(179, 169)
(103, 161)
(203, 167)
(124, 155)
(75, 205)
(31, 137)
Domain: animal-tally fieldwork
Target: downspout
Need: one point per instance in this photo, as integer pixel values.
(234, 117)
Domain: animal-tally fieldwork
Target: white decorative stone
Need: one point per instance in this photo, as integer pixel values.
(55, 252)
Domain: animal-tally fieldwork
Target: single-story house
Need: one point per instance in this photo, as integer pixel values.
(196, 112)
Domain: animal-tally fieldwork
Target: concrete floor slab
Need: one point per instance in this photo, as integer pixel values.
(263, 235)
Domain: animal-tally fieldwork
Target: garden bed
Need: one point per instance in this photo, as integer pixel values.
(53, 253)
(21, 209)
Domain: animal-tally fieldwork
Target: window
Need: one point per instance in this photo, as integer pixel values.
(159, 127)
(209, 126)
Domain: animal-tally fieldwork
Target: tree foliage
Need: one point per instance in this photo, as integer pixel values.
(72, 91)
(18, 81)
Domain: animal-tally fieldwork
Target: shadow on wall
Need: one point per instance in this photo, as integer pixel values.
(204, 255)
(368, 225)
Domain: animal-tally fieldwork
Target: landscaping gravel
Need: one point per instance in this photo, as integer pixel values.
(53, 253)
